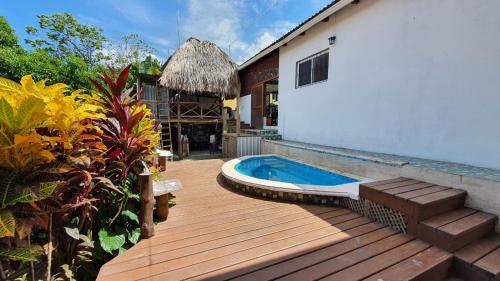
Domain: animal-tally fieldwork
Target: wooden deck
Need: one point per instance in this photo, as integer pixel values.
(216, 234)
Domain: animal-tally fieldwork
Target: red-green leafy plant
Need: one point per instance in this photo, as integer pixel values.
(129, 129)
(67, 171)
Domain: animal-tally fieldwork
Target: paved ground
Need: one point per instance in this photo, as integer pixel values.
(216, 234)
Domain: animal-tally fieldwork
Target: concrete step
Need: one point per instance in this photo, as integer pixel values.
(453, 230)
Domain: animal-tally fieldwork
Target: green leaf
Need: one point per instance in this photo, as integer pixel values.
(121, 250)
(68, 273)
(131, 195)
(46, 189)
(134, 235)
(10, 86)
(22, 253)
(7, 190)
(131, 215)
(73, 232)
(7, 224)
(6, 113)
(25, 196)
(27, 110)
(110, 241)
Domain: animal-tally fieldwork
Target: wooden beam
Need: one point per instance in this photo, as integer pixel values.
(326, 19)
(145, 181)
(238, 101)
(179, 140)
(162, 207)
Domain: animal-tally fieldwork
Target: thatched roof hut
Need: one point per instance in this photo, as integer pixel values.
(201, 67)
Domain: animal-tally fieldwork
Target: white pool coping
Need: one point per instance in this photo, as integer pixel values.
(350, 190)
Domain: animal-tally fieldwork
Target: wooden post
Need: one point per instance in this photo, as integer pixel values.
(162, 207)
(147, 204)
(224, 120)
(162, 163)
(179, 140)
(238, 114)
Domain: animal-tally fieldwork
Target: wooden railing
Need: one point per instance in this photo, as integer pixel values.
(186, 110)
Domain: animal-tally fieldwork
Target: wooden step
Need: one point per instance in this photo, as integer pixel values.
(453, 230)
(417, 200)
(431, 264)
(479, 260)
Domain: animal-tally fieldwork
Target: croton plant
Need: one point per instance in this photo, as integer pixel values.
(63, 157)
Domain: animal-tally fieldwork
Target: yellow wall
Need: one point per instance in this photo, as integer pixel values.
(230, 103)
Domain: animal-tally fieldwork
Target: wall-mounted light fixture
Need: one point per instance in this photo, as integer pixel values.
(332, 40)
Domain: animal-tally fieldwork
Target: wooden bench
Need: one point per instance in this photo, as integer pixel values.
(161, 191)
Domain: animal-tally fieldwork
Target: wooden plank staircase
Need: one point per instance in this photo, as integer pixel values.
(436, 215)
(166, 136)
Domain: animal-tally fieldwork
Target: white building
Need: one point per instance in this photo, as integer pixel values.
(412, 78)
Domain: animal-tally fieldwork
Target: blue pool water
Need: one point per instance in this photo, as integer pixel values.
(280, 169)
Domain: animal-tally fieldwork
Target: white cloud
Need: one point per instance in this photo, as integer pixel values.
(220, 21)
(136, 11)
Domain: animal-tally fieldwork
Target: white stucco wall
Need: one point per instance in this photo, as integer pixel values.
(415, 78)
(246, 109)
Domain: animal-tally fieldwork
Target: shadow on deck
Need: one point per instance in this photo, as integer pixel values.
(214, 233)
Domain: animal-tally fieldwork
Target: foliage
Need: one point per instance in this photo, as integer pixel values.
(16, 62)
(129, 129)
(68, 158)
(64, 35)
(44, 133)
(150, 65)
(130, 49)
(8, 37)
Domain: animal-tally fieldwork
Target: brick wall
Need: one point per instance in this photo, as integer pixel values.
(263, 70)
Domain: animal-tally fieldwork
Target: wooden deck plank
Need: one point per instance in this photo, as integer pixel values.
(257, 263)
(182, 240)
(475, 251)
(349, 259)
(279, 214)
(437, 197)
(383, 187)
(408, 188)
(254, 252)
(215, 233)
(193, 265)
(491, 263)
(421, 192)
(467, 223)
(431, 264)
(184, 257)
(449, 217)
(315, 257)
(375, 183)
(375, 264)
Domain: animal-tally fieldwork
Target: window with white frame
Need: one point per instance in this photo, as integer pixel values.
(312, 69)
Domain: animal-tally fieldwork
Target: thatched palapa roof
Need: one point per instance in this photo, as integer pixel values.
(201, 67)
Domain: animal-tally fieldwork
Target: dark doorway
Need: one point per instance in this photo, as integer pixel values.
(258, 106)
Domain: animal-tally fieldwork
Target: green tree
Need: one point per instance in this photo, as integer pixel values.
(130, 49)
(150, 65)
(62, 35)
(8, 37)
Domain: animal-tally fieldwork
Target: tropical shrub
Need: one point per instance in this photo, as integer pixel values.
(129, 129)
(43, 132)
(67, 168)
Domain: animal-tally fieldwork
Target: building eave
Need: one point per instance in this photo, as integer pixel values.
(327, 11)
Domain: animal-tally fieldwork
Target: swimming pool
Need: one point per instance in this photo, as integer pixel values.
(279, 174)
(276, 168)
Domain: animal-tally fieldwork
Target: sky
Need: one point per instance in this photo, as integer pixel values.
(240, 27)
